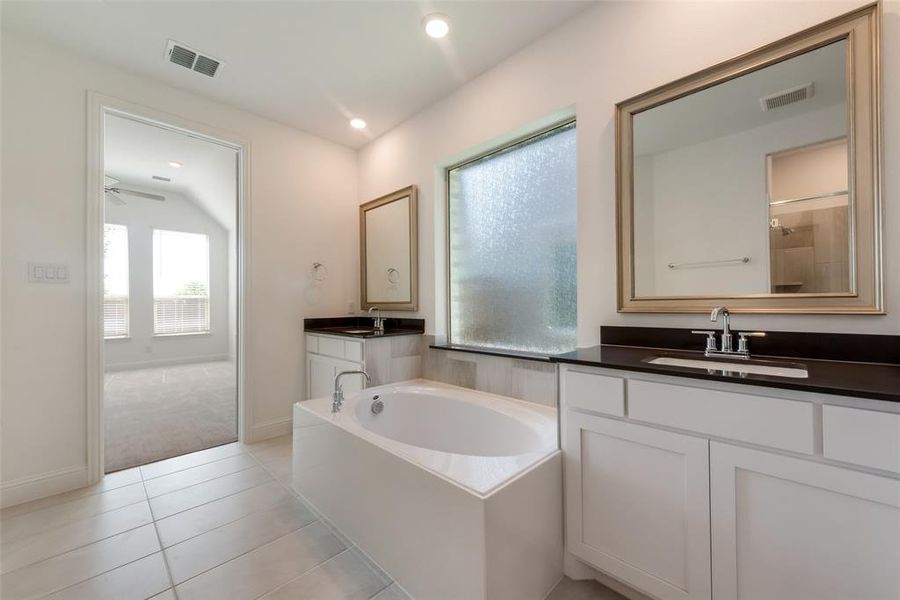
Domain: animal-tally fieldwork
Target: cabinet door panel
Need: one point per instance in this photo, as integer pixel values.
(638, 505)
(320, 374)
(788, 528)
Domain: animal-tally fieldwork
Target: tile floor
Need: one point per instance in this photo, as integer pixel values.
(156, 413)
(222, 523)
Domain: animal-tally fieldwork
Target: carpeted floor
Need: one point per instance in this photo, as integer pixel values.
(157, 413)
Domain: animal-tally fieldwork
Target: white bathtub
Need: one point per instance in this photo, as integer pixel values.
(456, 493)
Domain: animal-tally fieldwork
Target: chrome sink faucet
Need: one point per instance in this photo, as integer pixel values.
(337, 398)
(727, 347)
(377, 319)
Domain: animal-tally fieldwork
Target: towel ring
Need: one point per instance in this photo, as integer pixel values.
(320, 271)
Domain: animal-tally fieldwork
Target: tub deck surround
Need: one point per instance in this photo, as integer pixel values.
(352, 326)
(839, 374)
(455, 493)
(475, 440)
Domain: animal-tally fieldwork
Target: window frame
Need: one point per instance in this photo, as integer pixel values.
(504, 146)
(208, 330)
(127, 334)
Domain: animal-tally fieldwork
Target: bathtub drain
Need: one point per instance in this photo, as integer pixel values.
(377, 406)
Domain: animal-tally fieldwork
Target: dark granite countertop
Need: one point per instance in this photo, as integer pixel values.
(858, 379)
(361, 327)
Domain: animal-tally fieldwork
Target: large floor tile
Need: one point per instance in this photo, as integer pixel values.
(345, 577)
(78, 565)
(109, 482)
(37, 521)
(193, 522)
(175, 502)
(588, 589)
(194, 475)
(179, 463)
(22, 552)
(166, 595)
(138, 580)
(272, 452)
(265, 569)
(196, 555)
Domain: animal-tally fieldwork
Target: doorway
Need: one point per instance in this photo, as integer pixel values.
(170, 291)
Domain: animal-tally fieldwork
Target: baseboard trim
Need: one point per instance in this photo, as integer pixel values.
(166, 362)
(39, 486)
(270, 429)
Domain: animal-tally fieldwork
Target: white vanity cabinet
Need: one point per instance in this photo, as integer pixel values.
(688, 489)
(387, 359)
(326, 356)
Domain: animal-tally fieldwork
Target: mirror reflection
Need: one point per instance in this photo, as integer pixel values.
(742, 188)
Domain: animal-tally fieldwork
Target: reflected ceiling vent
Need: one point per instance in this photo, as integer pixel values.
(160, 178)
(788, 96)
(187, 57)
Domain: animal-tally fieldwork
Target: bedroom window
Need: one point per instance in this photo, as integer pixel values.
(180, 282)
(115, 281)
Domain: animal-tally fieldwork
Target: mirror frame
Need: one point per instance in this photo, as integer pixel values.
(861, 29)
(413, 304)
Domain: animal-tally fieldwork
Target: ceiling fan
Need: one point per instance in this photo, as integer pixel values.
(114, 192)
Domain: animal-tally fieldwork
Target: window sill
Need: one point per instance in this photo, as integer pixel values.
(186, 334)
(115, 338)
(493, 352)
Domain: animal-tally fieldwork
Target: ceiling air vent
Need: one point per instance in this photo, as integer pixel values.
(788, 96)
(178, 53)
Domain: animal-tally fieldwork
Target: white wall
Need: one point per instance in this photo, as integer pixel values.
(707, 201)
(303, 196)
(605, 55)
(177, 213)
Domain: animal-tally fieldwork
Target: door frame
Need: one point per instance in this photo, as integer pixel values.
(99, 106)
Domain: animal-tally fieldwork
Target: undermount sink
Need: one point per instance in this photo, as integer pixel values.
(792, 370)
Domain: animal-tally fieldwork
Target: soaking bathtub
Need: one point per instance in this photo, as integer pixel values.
(457, 494)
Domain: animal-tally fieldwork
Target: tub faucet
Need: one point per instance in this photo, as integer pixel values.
(337, 398)
(377, 319)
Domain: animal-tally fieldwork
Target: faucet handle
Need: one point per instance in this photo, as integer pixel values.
(743, 346)
(710, 338)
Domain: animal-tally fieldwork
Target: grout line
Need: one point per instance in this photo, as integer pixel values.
(305, 573)
(159, 542)
(196, 483)
(6, 520)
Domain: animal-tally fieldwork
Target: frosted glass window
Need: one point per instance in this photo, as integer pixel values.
(512, 228)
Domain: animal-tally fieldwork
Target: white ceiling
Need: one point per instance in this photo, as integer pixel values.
(306, 64)
(734, 106)
(134, 152)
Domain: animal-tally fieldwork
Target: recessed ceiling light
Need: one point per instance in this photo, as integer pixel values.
(436, 25)
(357, 123)
(175, 164)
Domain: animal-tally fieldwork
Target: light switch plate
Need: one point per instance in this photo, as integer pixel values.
(48, 273)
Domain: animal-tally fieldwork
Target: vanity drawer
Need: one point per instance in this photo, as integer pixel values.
(594, 392)
(774, 422)
(862, 437)
(331, 346)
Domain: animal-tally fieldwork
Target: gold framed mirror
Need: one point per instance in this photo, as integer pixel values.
(756, 182)
(388, 251)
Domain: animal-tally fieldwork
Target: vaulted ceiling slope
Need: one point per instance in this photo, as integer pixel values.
(311, 65)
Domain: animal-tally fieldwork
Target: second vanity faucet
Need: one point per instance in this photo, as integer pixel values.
(727, 347)
(377, 319)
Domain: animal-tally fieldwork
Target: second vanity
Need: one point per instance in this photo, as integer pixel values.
(338, 344)
(703, 484)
